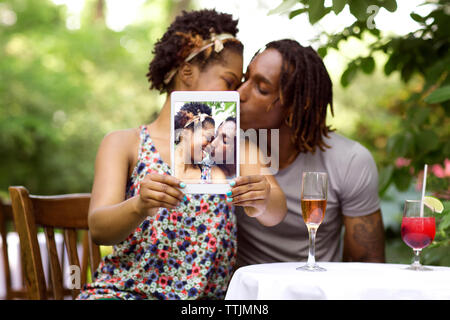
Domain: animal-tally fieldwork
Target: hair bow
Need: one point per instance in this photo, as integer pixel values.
(201, 117)
(215, 40)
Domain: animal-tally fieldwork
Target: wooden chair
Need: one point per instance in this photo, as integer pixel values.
(6, 220)
(66, 212)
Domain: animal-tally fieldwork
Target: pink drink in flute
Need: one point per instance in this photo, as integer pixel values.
(313, 211)
(313, 203)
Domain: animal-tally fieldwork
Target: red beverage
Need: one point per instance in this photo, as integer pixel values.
(418, 232)
(313, 211)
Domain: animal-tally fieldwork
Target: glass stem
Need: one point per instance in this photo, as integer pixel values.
(312, 246)
(416, 261)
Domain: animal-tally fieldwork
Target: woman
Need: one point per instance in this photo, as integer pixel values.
(168, 245)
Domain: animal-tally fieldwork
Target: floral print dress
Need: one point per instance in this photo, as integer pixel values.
(184, 253)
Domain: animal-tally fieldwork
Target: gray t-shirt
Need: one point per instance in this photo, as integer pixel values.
(352, 191)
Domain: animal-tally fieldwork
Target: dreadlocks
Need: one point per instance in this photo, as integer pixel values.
(305, 85)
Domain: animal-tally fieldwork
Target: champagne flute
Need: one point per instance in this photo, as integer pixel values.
(418, 229)
(313, 202)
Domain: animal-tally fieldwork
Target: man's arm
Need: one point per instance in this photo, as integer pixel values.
(364, 238)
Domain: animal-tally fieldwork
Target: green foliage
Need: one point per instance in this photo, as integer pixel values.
(412, 127)
(229, 108)
(316, 9)
(439, 95)
(424, 54)
(437, 252)
(62, 90)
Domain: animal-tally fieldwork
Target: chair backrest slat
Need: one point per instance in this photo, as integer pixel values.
(94, 255)
(6, 220)
(30, 252)
(85, 257)
(66, 212)
(5, 258)
(70, 239)
(55, 268)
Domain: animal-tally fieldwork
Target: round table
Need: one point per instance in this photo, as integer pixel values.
(341, 281)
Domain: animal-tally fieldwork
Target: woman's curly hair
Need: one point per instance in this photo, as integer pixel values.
(187, 32)
(188, 112)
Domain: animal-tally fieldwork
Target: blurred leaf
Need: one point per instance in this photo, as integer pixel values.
(446, 149)
(283, 7)
(385, 178)
(390, 5)
(406, 73)
(417, 115)
(391, 65)
(348, 75)
(317, 10)
(439, 95)
(437, 69)
(358, 9)
(295, 13)
(400, 144)
(426, 140)
(445, 221)
(417, 18)
(402, 179)
(338, 5)
(322, 51)
(368, 64)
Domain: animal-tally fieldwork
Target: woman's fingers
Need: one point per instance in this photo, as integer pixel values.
(160, 197)
(158, 190)
(163, 183)
(160, 204)
(248, 184)
(244, 180)
(165, 188)
(247, 197)
(237, 191)
(164, 179)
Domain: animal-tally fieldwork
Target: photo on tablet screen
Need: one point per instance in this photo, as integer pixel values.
(205, 141)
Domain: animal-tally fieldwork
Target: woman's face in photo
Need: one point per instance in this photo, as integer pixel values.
(198, 140)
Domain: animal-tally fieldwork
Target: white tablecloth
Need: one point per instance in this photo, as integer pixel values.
(345, 280)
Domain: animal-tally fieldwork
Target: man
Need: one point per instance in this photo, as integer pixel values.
(223, 146)
(287, 87)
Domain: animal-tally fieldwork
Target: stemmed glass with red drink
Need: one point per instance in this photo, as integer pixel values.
(418, 229)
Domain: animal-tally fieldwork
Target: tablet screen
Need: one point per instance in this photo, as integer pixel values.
(205, 141)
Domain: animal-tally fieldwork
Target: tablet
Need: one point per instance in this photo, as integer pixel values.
(205, 139)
